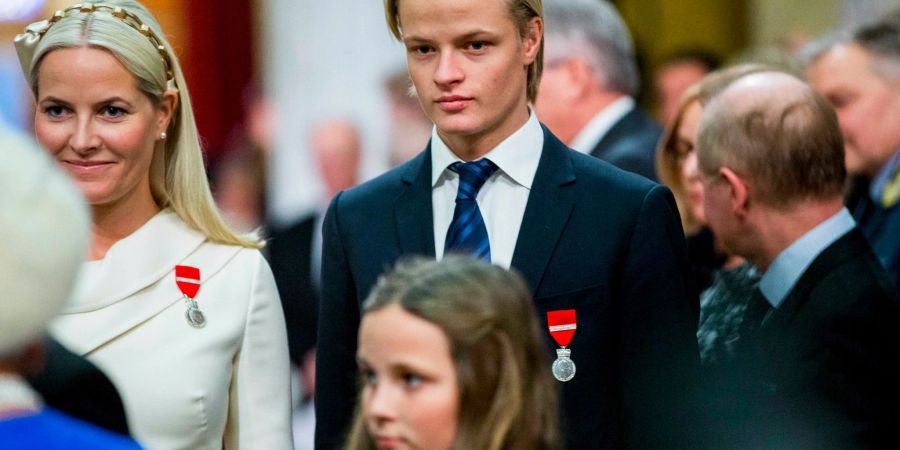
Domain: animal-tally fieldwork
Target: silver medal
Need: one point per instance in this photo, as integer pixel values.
(193, 314)
(563, 367)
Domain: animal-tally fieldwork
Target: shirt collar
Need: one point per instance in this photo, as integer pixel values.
(876, 189)
(791, 263)
(591, 134)
(517, 156)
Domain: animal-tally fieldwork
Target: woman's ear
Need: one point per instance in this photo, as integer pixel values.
(166, 111)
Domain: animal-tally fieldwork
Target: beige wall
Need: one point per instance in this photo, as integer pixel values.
(770, 22)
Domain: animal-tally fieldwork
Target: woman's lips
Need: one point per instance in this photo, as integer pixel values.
(86, 167)
(453, 103)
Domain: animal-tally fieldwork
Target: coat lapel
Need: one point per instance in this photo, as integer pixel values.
(412, 209)
(549, 206)
(849, 246)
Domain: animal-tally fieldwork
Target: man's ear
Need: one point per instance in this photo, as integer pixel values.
(531, 41)
(740, 194)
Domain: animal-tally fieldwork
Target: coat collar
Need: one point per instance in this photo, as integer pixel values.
(134, 263)
(412, 209)
(548, 209)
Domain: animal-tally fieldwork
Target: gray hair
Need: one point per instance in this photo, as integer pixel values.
(881, 40)
(594, 31)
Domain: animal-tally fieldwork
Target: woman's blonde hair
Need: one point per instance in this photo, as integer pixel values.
(507, 398)
(177, 174)
(521, 11)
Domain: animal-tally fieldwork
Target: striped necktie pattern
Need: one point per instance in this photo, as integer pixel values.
(467, 232)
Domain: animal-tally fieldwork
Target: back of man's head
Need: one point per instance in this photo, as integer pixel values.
(775, 130)
(44, 231)
(594, 31)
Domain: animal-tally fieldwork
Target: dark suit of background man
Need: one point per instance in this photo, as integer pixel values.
(590, 78)
(585, 235)
(817, 359)
(860, 75)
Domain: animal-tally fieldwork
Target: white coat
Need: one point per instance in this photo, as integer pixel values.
(185, 387)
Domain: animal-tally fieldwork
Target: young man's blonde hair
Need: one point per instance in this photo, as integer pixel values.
(521, 11)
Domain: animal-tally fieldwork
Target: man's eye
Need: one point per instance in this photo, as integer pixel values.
(423, 50)
(477, 45)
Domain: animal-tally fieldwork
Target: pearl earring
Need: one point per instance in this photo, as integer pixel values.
(162, 136)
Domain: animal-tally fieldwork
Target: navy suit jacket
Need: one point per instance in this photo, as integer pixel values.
(631, 144)
(595, 238)
(822, 370)
(880, 225)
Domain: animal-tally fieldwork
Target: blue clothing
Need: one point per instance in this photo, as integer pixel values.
(880, 225)
(793, 261)
(876, 189)
(51, 430)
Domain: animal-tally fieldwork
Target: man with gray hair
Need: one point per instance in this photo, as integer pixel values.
(590, 78)
(817, 362)
(860, 75)
(44, 231)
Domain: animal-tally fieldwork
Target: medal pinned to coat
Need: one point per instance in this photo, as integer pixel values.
(562, 326)
(188, 280)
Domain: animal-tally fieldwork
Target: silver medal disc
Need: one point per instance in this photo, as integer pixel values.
(194, 316)
(563, 368)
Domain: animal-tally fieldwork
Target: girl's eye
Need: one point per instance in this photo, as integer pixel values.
(412, 380)
(369, 377)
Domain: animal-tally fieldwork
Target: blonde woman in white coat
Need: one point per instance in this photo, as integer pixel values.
(198, 353)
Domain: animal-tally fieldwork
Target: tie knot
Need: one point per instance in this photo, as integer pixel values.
(472, 176)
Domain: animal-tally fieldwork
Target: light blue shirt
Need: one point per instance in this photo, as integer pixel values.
(790, 264)
(876, 189)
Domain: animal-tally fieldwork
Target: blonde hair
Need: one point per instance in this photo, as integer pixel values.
(506, 396)
(177, 176)
(521, 11)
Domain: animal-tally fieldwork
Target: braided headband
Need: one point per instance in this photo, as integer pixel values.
(26, 43)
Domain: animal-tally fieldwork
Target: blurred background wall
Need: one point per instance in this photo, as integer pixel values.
(262, 73)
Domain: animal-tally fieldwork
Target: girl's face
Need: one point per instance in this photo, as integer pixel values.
(410, 399)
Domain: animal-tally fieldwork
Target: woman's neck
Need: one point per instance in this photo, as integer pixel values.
(112, 223)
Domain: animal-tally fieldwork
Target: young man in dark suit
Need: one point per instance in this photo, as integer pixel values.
(817, 360)
(588, 87)
(600, 247)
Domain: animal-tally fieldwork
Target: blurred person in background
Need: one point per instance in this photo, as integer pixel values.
(675, 74)
(493, 182)
(295, 253)
(180, 312)
(725, 281)
(451, 356)
(45, 229)
(860, 75)
(588, 86)
(410, 128)
(817, 362)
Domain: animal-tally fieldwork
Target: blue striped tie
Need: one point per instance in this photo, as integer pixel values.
(467, 232)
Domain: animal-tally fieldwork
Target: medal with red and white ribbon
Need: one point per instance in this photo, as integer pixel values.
(562, 326)
(188, 280)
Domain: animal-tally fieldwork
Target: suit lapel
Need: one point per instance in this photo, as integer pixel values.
(549, 206)
(413, 211)
(848, 246)
(609, 139)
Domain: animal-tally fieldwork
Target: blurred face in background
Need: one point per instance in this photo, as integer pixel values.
(99, 127)
(690, 173)
(867, 106)
(410, 397)
(671, 81)
(468, 62)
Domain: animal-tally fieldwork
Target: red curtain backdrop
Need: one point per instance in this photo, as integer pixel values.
(219, 66)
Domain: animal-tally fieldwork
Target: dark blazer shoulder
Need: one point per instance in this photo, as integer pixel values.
(388, 185)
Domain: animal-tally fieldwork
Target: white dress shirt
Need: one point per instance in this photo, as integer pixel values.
(504, 195)
(591, 134)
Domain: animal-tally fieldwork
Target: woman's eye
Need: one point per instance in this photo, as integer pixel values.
(55, 111)
(113, 111)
